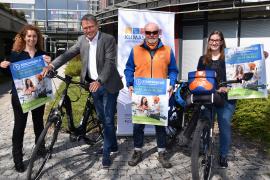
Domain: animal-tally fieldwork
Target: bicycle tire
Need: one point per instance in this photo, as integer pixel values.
(201, 158)
(37, 162)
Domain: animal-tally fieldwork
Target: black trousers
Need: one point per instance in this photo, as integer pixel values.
(20, 120)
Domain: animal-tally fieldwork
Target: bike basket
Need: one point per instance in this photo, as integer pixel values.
(202, 82)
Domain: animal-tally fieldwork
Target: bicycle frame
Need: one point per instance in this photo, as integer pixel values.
(65, 103)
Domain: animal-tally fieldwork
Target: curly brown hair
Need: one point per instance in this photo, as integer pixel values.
(208, 55)
(19, 43)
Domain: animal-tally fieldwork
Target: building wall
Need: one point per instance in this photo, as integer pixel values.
(254, 31)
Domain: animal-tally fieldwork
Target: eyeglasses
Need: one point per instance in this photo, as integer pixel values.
(151, 32)
(214, 40)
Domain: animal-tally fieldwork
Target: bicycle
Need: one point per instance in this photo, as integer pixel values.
(181, 120)
(202, 144)
(53, 125)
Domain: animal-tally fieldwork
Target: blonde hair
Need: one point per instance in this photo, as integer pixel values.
(19, 42)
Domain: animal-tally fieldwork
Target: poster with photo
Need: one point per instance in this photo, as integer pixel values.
(150, 101)
(33, 90)
(241, 60)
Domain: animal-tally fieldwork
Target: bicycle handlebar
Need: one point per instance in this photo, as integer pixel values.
(67, 79)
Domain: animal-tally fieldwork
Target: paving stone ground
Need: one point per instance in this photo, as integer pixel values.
(76, 160)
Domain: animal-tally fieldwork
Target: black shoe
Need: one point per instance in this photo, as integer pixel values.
(163, 160)
(106, 162)
(223, 162)
(136, 158)
(19, 167)
(100, 151)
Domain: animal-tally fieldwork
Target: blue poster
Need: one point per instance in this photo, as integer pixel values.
(33, 90)
(150, 101)
(241, 60)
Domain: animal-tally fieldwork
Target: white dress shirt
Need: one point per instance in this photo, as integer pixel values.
(92, 63)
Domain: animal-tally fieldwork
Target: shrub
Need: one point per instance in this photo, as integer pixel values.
(74, 66)
(252, 119)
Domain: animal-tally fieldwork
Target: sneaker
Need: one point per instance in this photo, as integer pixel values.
(19, 167)
(163, 160)
(223, 162)
(106, 162)
(136, 158)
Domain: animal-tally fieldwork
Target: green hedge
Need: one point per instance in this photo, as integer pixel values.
(78, 97)
(74, 67)
(252, 119)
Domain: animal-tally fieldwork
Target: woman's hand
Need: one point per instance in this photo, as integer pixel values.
(47, 59)
(4, 64)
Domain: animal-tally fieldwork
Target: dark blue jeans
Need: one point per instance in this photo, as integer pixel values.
(105, 104)
(224, 117)
(138, 135)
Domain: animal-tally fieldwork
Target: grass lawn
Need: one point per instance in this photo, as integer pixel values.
(34, 103)
(146, 120)
(240, 92)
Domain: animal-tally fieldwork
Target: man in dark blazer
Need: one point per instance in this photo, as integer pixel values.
(98, 58)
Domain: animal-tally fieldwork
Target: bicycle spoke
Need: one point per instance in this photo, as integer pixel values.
(42, 152)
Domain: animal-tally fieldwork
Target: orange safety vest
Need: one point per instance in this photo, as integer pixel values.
(151, 68)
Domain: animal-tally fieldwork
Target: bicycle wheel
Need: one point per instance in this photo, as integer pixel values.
(40, 155)
(201, 158)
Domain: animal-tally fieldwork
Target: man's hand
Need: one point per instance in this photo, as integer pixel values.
(46, 70)
(170, 90)
(4, 64)
(131, 90)
(223, 90)
(93, 87)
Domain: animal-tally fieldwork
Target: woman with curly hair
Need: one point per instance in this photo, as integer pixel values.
(28, 43)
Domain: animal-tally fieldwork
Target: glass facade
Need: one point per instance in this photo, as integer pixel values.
(59, 20)
(57, 15)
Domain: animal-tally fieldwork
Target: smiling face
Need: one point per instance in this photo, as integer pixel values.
(151, 33)
(215, 42)
(90, 28)
(31, 38)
